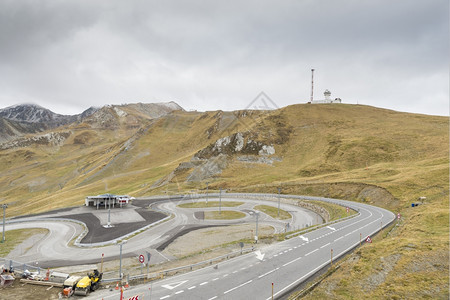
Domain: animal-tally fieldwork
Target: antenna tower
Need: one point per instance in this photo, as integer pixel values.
(312, 84)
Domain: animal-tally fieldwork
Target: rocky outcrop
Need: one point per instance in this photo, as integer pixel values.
(237, 143)
(211, 160)
(48, 139)
(208, 168)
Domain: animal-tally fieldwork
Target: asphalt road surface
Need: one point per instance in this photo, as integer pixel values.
(55, 250)
(285, 264)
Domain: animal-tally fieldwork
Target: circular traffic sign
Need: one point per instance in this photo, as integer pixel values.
(141, 259)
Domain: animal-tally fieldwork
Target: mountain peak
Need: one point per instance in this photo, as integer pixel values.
(31, 113)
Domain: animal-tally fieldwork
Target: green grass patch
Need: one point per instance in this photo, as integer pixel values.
(273, 212)
(210, 204)
(336, 211)
(17, 236)
(224, 215)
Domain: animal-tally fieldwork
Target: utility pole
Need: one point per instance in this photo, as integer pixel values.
(256, 230)
(279, 190)
(148, 262)
(207, 192)
(109, 217)
(120, 258)
(312, 84)
(4, 206)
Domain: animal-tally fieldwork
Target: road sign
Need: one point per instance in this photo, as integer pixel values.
(141, 259)
(149, 255)
(368, 239)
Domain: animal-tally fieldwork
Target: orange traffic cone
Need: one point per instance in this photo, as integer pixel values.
(126, 285)
(117, 286)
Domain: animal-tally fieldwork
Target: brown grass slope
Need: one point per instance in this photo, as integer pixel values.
(355, 152)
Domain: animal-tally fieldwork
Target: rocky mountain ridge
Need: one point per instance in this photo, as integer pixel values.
(33, 113)
(17, 121)
(23, 119)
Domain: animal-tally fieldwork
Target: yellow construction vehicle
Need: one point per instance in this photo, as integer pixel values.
(88, 283)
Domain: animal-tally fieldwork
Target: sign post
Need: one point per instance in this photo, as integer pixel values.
(220, 201)
(279, 191)
(272, 290)
(101, 265)
(331, 257)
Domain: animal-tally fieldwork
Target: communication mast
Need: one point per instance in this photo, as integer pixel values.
(312, 84)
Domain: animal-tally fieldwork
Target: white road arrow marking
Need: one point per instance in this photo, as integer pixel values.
(334, 229)
(259, 255)
(173, 285)
(304, 238)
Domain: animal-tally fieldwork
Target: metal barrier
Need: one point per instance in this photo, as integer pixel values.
(19, 267)
(182, 268)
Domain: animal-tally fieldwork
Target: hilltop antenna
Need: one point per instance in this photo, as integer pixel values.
(312, 84)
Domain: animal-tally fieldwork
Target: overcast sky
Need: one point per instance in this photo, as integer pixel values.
(209, 55)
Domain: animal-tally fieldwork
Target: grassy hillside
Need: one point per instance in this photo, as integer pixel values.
(355, 152)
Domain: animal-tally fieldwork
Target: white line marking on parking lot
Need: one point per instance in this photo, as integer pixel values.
(260, 276)
(291, 262)
(311, 252)
(236, 287)
(324, 246)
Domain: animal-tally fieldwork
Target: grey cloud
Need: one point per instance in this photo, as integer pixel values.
(220, 54)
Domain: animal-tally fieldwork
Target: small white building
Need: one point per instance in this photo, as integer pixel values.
(107, 200)
(327, 96)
